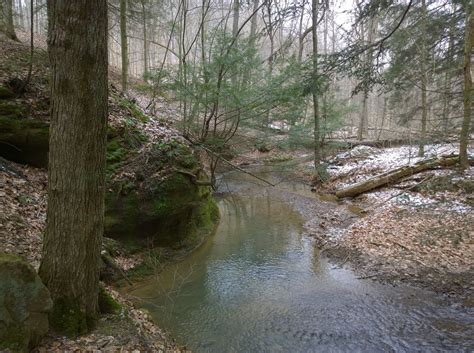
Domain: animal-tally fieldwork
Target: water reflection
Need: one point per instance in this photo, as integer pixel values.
(258, 285)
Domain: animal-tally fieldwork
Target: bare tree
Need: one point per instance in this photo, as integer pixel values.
(317, 132)
(468, 46)
(124, 44)
(424, 105)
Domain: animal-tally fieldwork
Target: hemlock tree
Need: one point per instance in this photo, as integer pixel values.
(77, 44)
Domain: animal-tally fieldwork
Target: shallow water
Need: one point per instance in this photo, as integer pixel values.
(259, 285)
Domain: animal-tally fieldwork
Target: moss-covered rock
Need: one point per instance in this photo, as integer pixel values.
(13, 110)
(24, 305)
(6, 93)
(107, 304)
(68, 319)
(23, 140)
(160, 203)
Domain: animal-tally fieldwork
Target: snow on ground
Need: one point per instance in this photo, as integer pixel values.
(423, 221)
(363, 160)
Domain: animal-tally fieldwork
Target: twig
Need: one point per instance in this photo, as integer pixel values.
(234, 166)
(369, 276)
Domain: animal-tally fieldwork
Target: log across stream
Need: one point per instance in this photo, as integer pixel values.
(259, 285)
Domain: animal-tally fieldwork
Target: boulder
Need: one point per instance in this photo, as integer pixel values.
(160, 199)
(22, 140)
(24, 305)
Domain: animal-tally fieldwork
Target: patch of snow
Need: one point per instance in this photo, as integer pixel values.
(381, 160)
(337, 233)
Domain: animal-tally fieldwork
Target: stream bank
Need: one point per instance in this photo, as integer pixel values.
(152, 177)
(261, 284)
(418, 231)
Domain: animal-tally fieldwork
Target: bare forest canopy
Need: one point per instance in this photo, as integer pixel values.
(326, 69)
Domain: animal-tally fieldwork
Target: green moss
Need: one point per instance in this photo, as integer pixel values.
(176, 153)
(173, 214)
(172, 195)
(6, 93)
(107, 304)
(24, 141)
(14, 339)
(13, 110)
(116, 153)
(18, 266)
(168, 212)
(134, 110)
(120, 143)
(68, 319)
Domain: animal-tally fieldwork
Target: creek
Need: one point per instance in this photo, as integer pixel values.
(260, 285)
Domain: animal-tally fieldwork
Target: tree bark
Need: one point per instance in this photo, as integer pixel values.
(363, 130)
(145, 40)
(236, 15)
(271, 36)
(253, 23)
(447, 75)
(424, 106)
(77, 44)
(317, 146)
(395, 175)
(468, 46)
(301, 34)
(7, 26)
(124, 44)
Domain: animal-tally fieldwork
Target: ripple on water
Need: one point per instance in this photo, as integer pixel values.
(259, 286)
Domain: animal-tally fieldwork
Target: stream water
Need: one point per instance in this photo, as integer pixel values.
(259, 285)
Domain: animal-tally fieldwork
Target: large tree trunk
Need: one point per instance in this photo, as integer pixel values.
(394, 175)
(363, 130)
(7, 26)
(301, 34)
(469, 43)
(447, 75)
(317, 145)
(253, 23)
(76, 177)
(424, 104)
(124, 44)
(271, 36)
(247, 74)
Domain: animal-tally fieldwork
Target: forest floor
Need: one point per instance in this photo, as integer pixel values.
(419, 230)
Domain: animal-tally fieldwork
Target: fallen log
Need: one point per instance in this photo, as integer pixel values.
(395, 175)
(351, 143)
